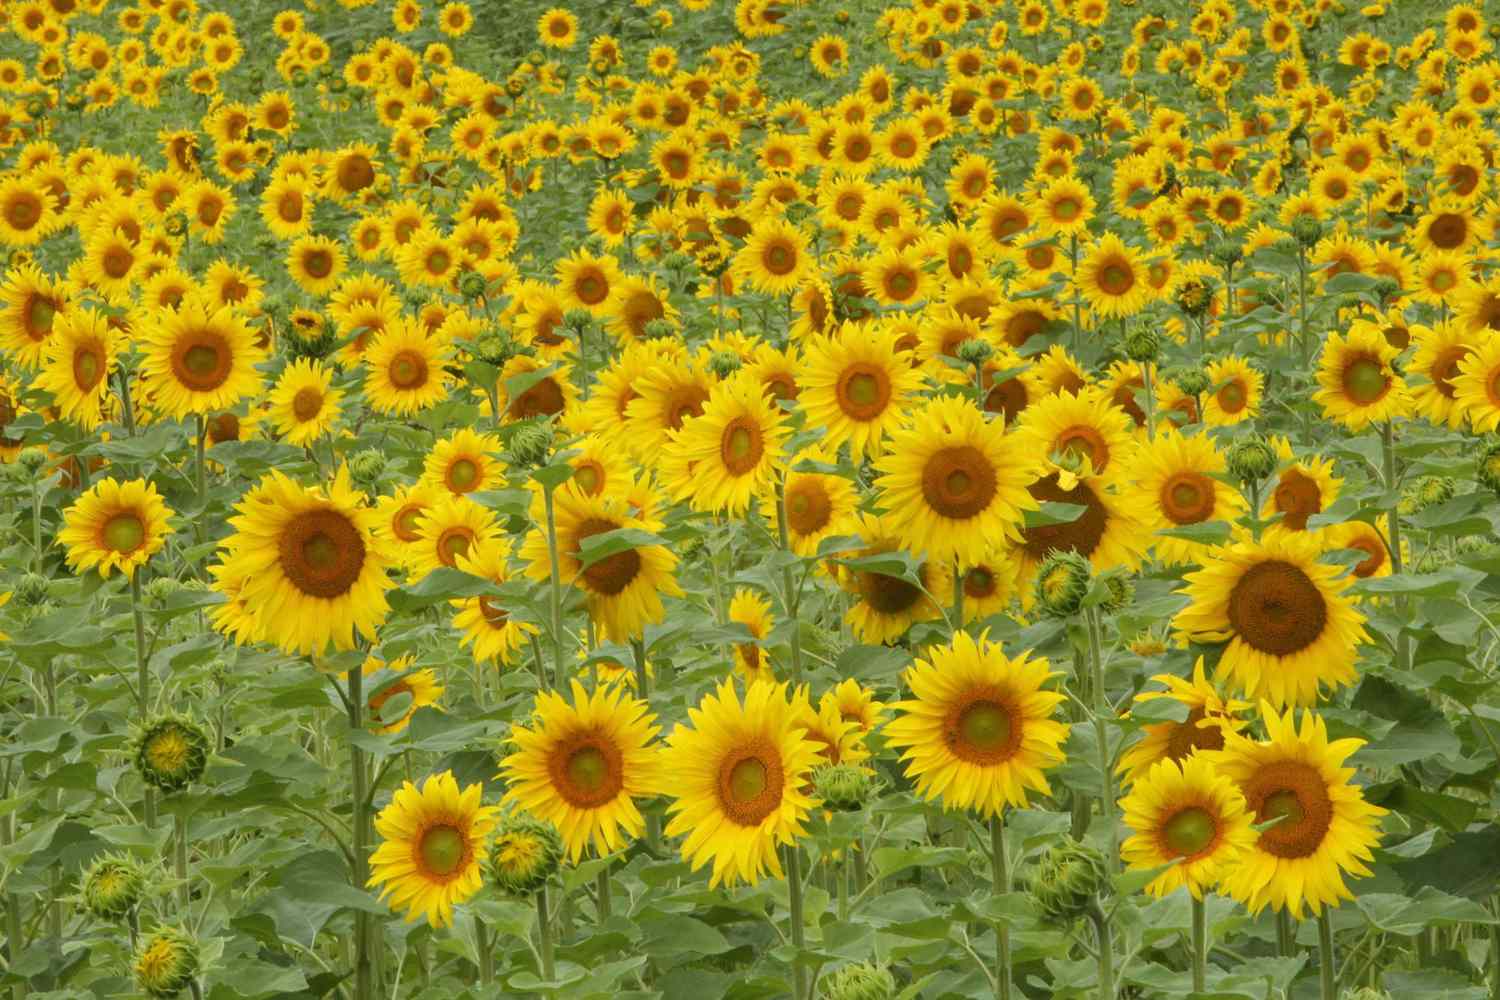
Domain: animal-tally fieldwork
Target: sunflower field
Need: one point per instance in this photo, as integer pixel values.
(812, 499)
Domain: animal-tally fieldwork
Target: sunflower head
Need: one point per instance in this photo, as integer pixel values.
(1062, 583)
(1251, 459)
(1070, 876)
(525, 854)
(166, 963)
(112, 886)
(1488, 469)
(170, 752)
(860, 981)
(844, 786)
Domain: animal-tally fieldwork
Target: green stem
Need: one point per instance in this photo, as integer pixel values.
(127, 408)
(799, 930)
(180, 855)
(486, 956)
(845, 873)
(958, 598)
(555, 597)
(1286, 935)
(642, 678)
(1200, 945)
(791, 594)
(1106, 951)
(200, 470)
(362, 961)
(1327, 978)
(1393, 488)
(1102, 712)
(1150, 391)
(1000, 866)
(36, 525)
(142, 679)
(605, 905)
(544, 935)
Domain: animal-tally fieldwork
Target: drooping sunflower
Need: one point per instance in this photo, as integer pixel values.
(1112, 279)
(486, 626)
(464, 462)
(952, 481)
(31, 304)
(115, 526)
(979, 730)
(888, 605)
(1359, 386)
(1235, 393)
(750, 609)
(308, 564)
(624, 589)
(448, 530)
(581, 766)
(856, 384)
(819, 504)
(406, 372)
(1178, 480)
(304, 405)
(1080, 426)
(199, 359)
(738, 776)
(1322, 827)
(1209, 714)
(1188, 815)
(434, 841)
(1290, 625)
(720, 459)
(77, 363)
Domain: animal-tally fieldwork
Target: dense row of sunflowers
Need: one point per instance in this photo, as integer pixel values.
(788, 498)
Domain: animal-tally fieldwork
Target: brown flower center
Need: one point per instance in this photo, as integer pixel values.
(1081, 535)
(1295, 794)
(587, 770)
(1188, 498)
(201, 360)
(1276, 609)
(959, 482)
(321, 553)
(612, 574)
(750, 782)
(983, 728)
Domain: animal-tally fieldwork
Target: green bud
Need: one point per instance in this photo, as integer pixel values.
(1426, 492)
(1307, 231)
(861, 981)
(367, 465)
(337, 85)
(1142, 344)
(112, 886)
(1227, 253)
(32, 460)
(1488, 472)
(1062, 582)
(524, 855)
(659, 329)
(1193, 381)
(1069, 877)
(844, 786)
(578, 319)
(1121, 592)
(975, 351)
(1251, 459)
(1364, 993)
(1195, 295)
(161, 590)
(166, 963)
(299, 78)
(724, 363)
(531, 442)
(31, 590)
(471, 285)
(170, 752)
(494, 346)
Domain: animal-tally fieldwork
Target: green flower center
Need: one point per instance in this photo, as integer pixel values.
(1189, 831)
(124, 532)
(442, 850)
(747, 780)
(985, 725)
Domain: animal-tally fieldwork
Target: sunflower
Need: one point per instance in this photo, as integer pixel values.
(775, 258)
(1108, 532)
(199, 359)
(448, 530)
(738, 776)
(1178, 480)
(1082, 426)
(434, 841)
(1322, 826)
(839, 740)
(1305, 487)
(407, 371)
(486, 626)
(315, 263)
(951, 481)
(31, 304)
(399, 514)
(888, 605)
(1441, 349)
(623, 589)
(391, 705)
(79, 358)
(1476, 389)
(307, 563)
(303, 405)
(1186, 815)
(979, 730)
(464, 462)
(28, 212)
(1111, 278)
(589, 281)
(1287, 618)
(557, 28)
(581, 766)
(667, 391)
(819, 504)
(721, 458)
(1373, 539)
(115, 526)
(1235, 392)
(752, 610)
(1359, 386)
(1063, 207)
(855, 385)
(350, 170)
(1209, 715)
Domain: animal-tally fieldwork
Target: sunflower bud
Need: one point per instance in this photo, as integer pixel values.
(1142, 344)
(524, 855)
(1227, 253)
(337, 85)
(495, 347)
(1307, 231)
(531, 442)
(1195, 295)
(1193, 381)
(578, 319)
(1068, 879)
(1121, 591)
(170, 752)
(864, 981)
(659, 329)
(366, 466)
(1426, 492)
(676, 261)
(1062, 583)
(724, 363)
(843, 786)
(1364, 993)
(1250, 460)
(975, 351)
(167, 963)
(471, 285)
(299, 78)
(161, 590)
(1488, 472)
(32, 460)
(31, 590)
(112, 886)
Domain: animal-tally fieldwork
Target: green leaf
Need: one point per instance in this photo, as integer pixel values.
(1448, 811)
(1053, 513)
(1206, 532)
(597, 548)
(887, 860)
(1429, 907)
(1467, 865)
(897, 564)
(1449, 581)
(679, 935)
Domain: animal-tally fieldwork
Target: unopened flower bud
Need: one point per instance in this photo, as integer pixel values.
(531, 442)
(170, 752)
(975, 351)
(1142, 344)
(367, 465)
(843, 786)
(31, 590)
(1250, 460)
(1062, 582)
(167, 963)
(112, 886)
(1307, 230)
(862, 981)
(524, 855)
(724, 363)
(1068, 879)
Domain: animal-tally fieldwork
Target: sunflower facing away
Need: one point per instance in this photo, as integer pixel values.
(115, 526)
(434, 843)
(1188, 815)
(979, 731)
(581, 765)
(738, 774)
(307, 563)
(1289, 623)
(1323, 827)
(486, 626)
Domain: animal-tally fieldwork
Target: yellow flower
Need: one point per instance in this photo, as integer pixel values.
(434, 842)
(199, 359)
(115, 526)
(304, 406)
(722, 457)
(1359, 386)
(1187, 815)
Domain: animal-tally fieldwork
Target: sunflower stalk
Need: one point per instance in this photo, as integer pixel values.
(1148, 388)
(1106, 954)
(1393, 489)
(544, 936)
(799, 930)
(180, 859)
(142, 679)
(200, 468)
(1000, 864)
(1327, 973)
(554, 590)
(127, 408)
(486, 956)
(604, 903)
(792, 595)
(642, 679)
(363, 967)
(1200, 945)
(1102, 712)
